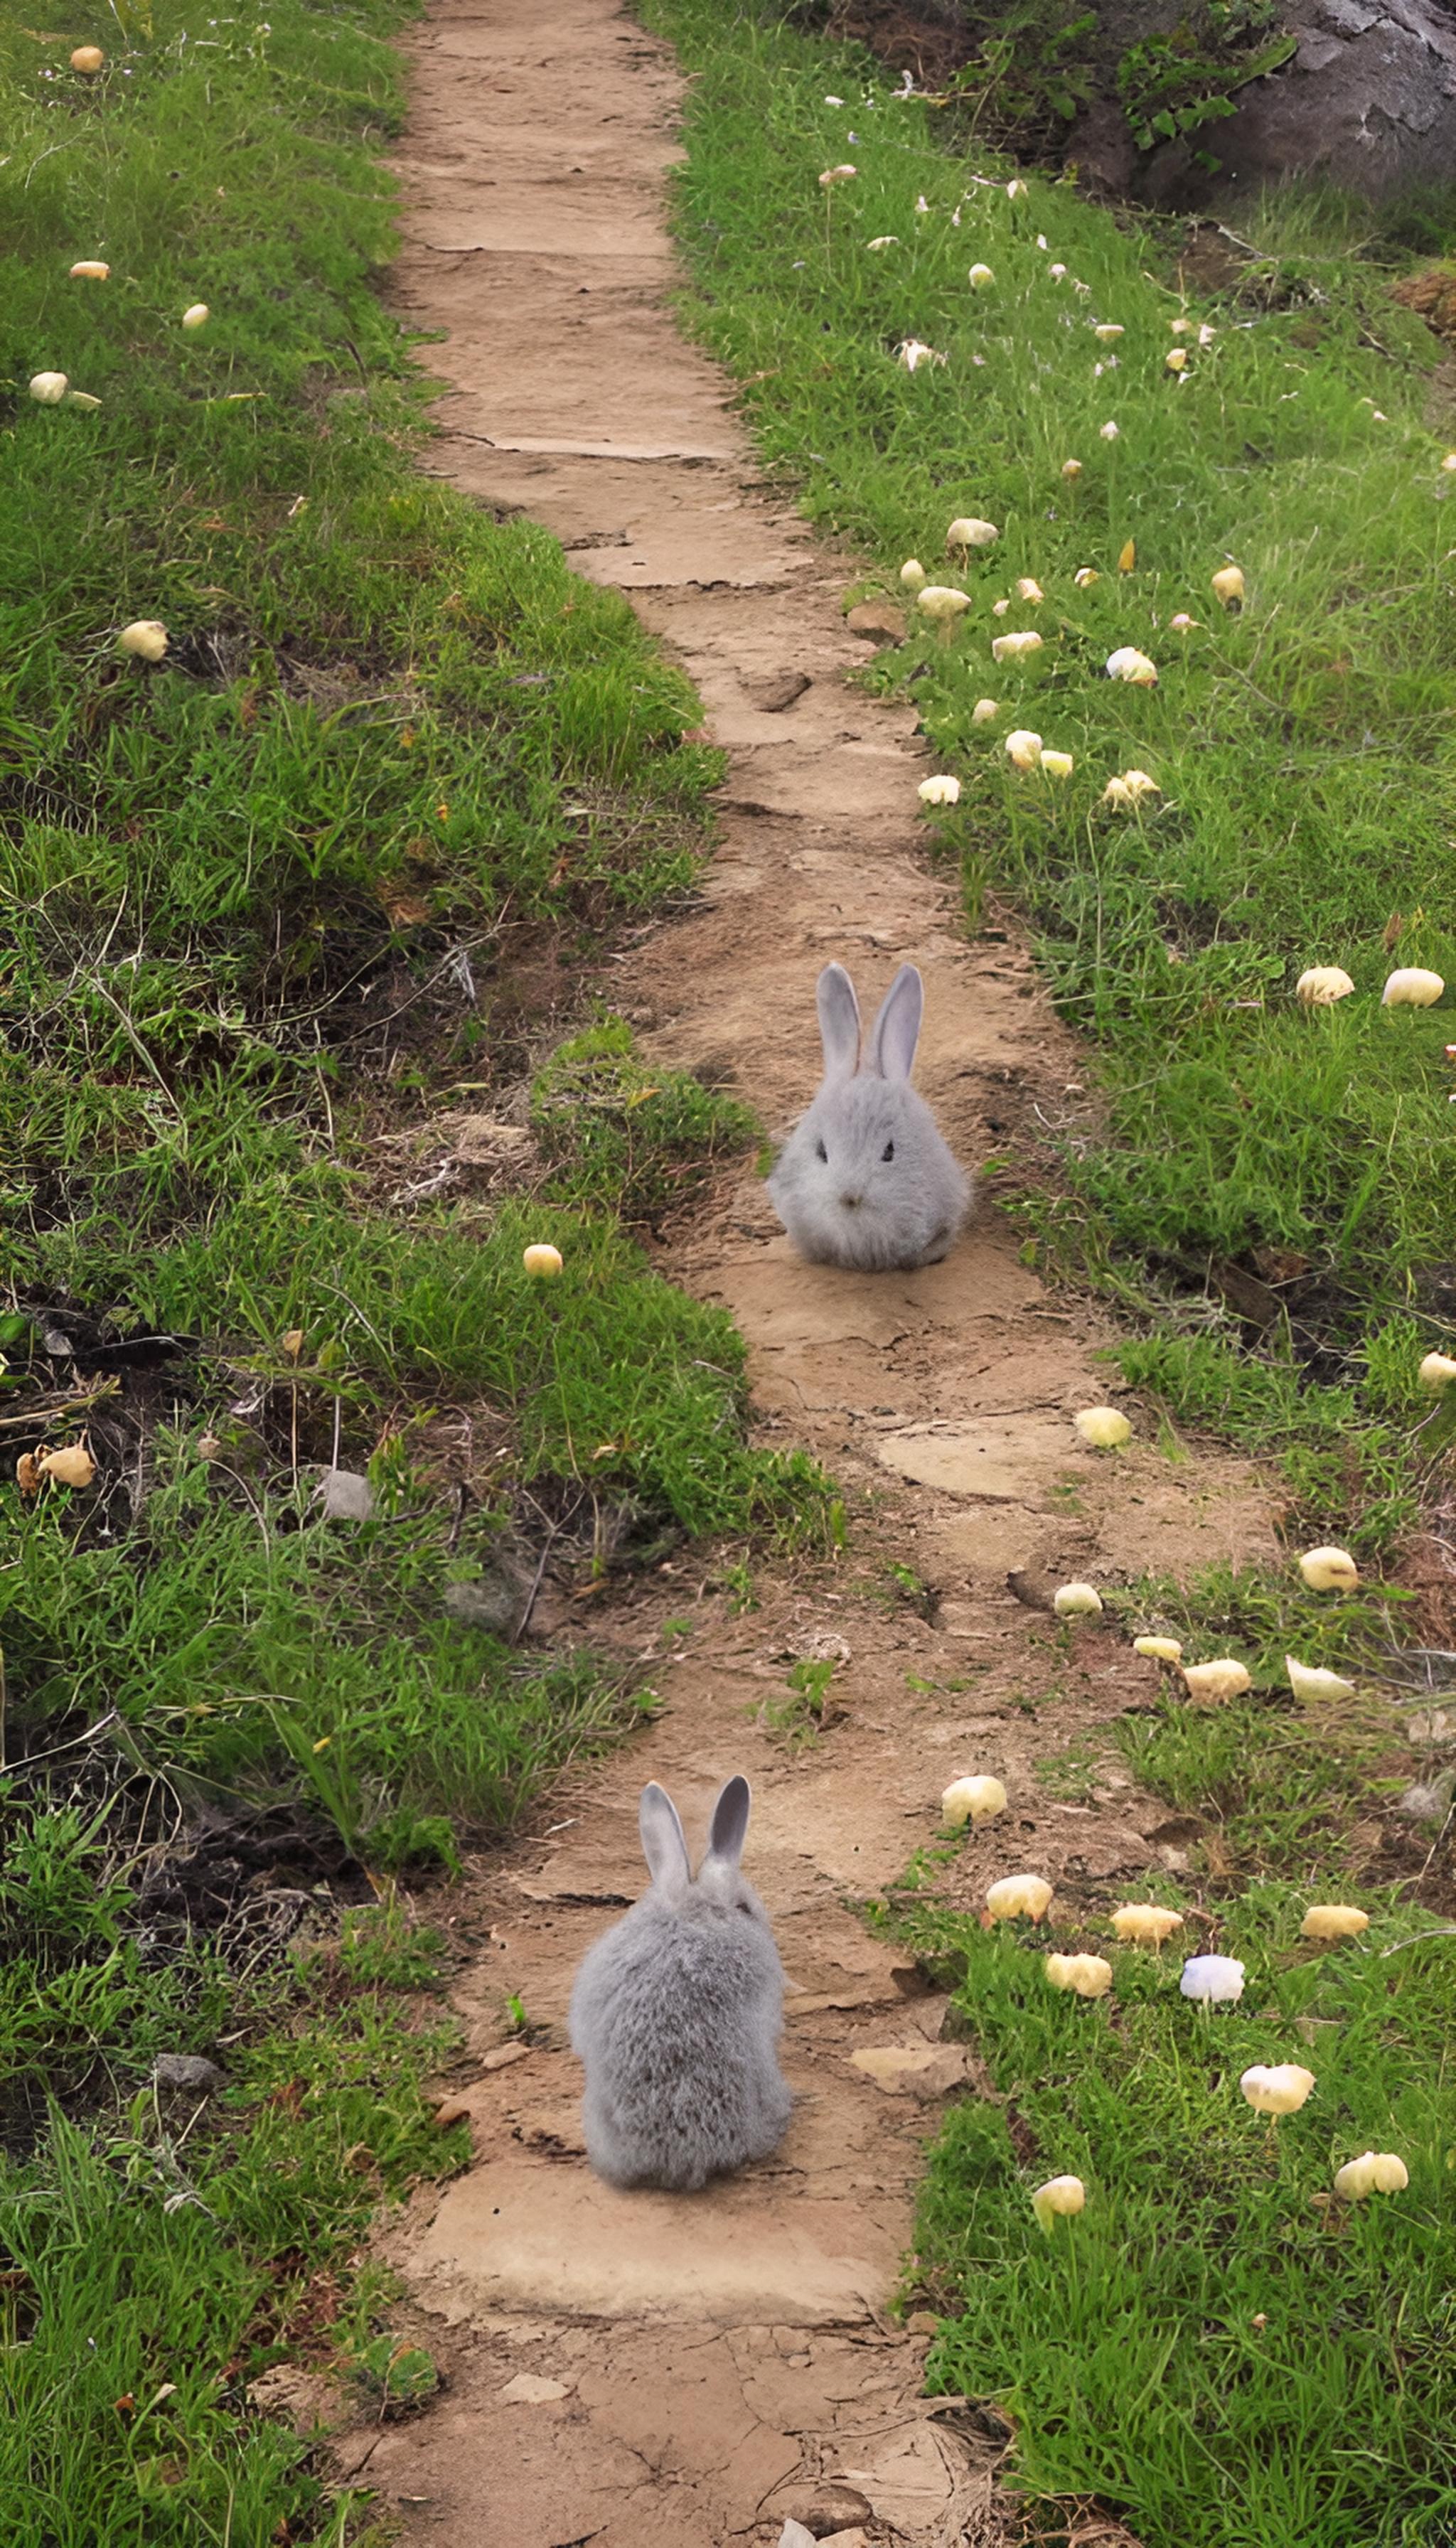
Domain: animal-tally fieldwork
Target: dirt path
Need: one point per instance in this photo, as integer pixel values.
(642, 2370)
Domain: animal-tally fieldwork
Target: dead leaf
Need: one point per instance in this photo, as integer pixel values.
(1128, 556)
(454, 2109)
(293, 1343)
(28, 1474)
(71, 1466)
(876, 619)
(1392, 932)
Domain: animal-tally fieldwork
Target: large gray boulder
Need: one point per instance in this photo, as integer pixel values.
(1368, 102)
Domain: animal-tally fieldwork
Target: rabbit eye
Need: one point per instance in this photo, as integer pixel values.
(821, 1152)
(888, 1152)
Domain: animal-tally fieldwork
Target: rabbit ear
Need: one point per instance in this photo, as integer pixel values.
(839, 1023)
(897, 1027)
(663, 1844)
(728, 1829)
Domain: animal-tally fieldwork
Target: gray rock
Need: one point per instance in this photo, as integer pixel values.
(496, 1603)
(187, 2070)
(1368, 102)
(342, 1495)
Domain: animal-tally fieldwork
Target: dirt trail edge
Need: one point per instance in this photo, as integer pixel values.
(643, 2370)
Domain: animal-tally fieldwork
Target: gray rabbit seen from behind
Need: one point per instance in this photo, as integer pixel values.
(676, 2014)
(865, 1179)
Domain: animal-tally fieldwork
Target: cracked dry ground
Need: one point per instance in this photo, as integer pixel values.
(639, 2370)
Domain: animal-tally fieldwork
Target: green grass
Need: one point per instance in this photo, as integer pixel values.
(641, 1142)
(1302, 749)
(1124, 2347)
(264, 902)
(1304, 753)
(150, 2275)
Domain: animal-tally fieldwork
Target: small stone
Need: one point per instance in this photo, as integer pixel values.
(923, 2323)
(825, 2507)
(795, 2535)
(496, 1601)
(779, 692)
(341, 1495)
(915, 2070)
(855, 2538)
(876, 620)
(187, 2070)
(528, 2388)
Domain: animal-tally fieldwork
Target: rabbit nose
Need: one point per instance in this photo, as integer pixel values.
(849, 1201)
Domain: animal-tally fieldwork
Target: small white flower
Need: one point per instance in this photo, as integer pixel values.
(1017, 1897)
(1023, 749)
(1077, 1601)
(144, 637)
(939, 791)
(1017, 191)
(1412, 987)
(1177, 361)
(1449, 463)
(198, 315)
(1158, 1650)
(1126, 663)
(1029, 589)
(1090, 1976)
(1059, 2199)
(1180, 326)
(968, 532)
(942, 602)
(1374, 2173)
(1311, 1682)
(47, 389)
(1085, 578)
(979, 276)
(1279, 2088)
(1210, 1685)
(1437, 1373)
(1329, 1569)
(1016, 643)
(91, 269)
(1206, 336)
(1072, 469)
(971, 1800)
(1128, 789)
(1108, 431)
(1212, 1977)
(1181, 621)
(836, 176)
(915, 356)
(1106, 1428)
(982, 713)
(999, 609)
(542, 1262)
(912, 576)
(1228, 583)
(888, 241)
(834, 101)
(1334, 1919)
(1057, 765)
(1145, 1924)
(1108, 333)
(1322, 985)
(1057, 272)
(1040, 242)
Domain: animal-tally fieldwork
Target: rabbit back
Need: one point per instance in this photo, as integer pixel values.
(675, 2014)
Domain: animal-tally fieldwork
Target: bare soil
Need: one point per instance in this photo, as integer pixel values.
(639, 2370)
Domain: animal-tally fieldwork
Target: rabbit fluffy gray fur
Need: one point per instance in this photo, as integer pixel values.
(676, 2014)
(865, 1179)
